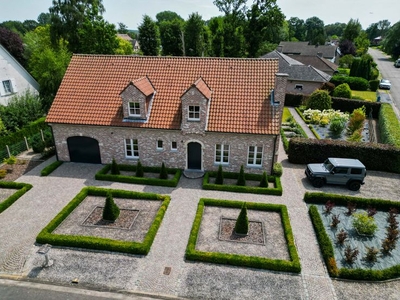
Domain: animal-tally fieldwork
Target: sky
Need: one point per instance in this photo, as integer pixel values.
(130, 12)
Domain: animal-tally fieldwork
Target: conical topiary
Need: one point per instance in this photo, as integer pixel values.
(264, 180)
(163, 172)
(220, 176)
(241, 179)
(111, 210)
(114, 167)
(242, 222)
(139, 169)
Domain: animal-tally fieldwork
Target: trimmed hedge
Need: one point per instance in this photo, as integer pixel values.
(389, 125)
(103, 175)
(326, 243)
(277, 190)
(50, 168)
(355, 83)
(305, 151)
(21, 188)
(292, 265)
(96, 243)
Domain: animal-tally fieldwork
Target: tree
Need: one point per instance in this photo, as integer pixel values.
(122, 28)
(264, 180)
(352, 30)
(347, 47)
(319, 99)
(342, 91)
(335, 29)
(167, 15)
(114, 167)
(220, 176)
(13, 44)
(149, 36)
(362, 43)
(315, 31)
(44, 19)
(242, 178)
(242, 222)
(14, 26)
(216, 26)
(194, 36)
(391, 43)
(30, 25)
(124, 47)
(139, 169)
(111, 210)
(171, 34)
(163, 172)
(297, 29)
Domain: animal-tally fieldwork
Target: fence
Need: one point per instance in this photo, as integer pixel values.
(19, 147)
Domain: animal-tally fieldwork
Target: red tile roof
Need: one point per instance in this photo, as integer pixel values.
(144, 85)
(90, 91)
(203, 88)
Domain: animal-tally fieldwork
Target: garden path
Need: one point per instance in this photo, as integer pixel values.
(300, 121)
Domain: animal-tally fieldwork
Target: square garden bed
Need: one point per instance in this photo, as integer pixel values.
(11, 192)
(387, 265)
(80, 223)
(268, 245)
(151, 175)
(252, 184)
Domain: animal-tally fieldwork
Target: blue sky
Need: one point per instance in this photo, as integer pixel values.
(130, 12)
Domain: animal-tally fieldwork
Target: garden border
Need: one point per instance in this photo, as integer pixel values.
(50, 168)
(242, 260)
(96, 243)
(21, 188)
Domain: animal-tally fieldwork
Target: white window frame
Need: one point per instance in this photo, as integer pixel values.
(134, 109)
(131, 148)
(8, 88)
(172, 146)
(158, 145)
(223, 149)
(194, 115)
(252, 156)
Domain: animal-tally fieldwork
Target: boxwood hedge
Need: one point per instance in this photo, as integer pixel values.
(21, 188)
(47, 235)
(292, 265)
(389, 125)
(50, 168)
(326, 243)
(276, 190)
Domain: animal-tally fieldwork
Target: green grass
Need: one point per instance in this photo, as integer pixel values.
(286, 114)
(365, 95)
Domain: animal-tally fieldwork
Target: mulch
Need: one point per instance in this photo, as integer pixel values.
(19, 169)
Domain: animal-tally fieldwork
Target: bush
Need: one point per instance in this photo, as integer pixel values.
(20, 189)
(337, 126)
(139, 169)
(38, 145)
(277, 169)
(264, 180)
(242, 222)
(343, 91)
(373, 85)
(111, 210)
(114, 168)
(50, 168)
(163, 172)
(220, 176)
(356, 121)
(241, 179)
(319, 100)
(364, 224)
(355, 83)
(389, 125)
(328, 86)
(12, 160)
(3, 173)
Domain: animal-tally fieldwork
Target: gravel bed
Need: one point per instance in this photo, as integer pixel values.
(5, 193)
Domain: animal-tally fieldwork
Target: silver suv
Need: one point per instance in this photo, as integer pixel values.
(344, 171)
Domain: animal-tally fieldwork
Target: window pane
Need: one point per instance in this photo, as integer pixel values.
(173, 145)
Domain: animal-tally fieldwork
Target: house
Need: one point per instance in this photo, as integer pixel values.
(134, 42)
(14, 79)
(329, 52)
(188, 112)
(317, 62)
(303, 79)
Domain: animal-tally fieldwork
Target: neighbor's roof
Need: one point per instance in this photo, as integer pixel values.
(302, 48)
(90, 91)
(316, 61)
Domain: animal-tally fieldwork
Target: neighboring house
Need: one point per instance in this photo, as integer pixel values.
(329, 52)
(14, 79)
(303, 79)
(190, 113)
(136, 46)
(134, 42)
(317, 62)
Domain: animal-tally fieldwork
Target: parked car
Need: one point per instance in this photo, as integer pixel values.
(385, 84)
(397, 63)
(344, 171)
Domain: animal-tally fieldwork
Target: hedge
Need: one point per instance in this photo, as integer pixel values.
(326, 243)
(96, 243)
(355, 83)
(389, 125)
(292, 265)
(103, 175)
(21, 188)
(50, 168)
(277, 190)
(305, 151)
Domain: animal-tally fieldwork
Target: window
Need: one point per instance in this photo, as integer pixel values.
(356, 171)
(174, 146)
(159, 145)
(131, 148)
(298, 87)
(255, 156)
(134, 109)
(341, 170)
(7, 87)
(194, 112)
(221, 154)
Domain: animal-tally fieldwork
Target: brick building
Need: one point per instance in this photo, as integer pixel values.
(190, 113)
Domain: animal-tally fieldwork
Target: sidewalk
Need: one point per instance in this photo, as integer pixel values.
(301, 122)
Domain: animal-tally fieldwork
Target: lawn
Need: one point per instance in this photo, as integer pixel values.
(286, 114)
(366, 95)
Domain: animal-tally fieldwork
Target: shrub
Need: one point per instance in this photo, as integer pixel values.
(50, 168)
(264, 180)
(373, 85)
(371, 255)
(241, 179)
(389, 126)
(343, 91)
(327, 86)
(319, 99)
(38, 145)
(337, 126)
(220, 176)
(335, 220)
(48, 138)
(341, 237)
(163, 172)
(364, 224)
(3, 173)
(351, 208)
(114, 168)
(356, 136)
(111, 210)
(12, 160)
(242, 222)
(277, 169)
(355, 83)
(350, 254)
(139, 169)
(356, 121)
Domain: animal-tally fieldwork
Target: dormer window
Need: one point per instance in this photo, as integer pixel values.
(134, 109)
(194, 113)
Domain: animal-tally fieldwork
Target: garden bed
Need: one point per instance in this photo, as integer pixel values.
(11, 192)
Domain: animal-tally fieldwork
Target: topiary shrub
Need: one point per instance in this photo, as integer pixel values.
(38, 145)
(163, 172)
(319, 99)
(242, 222)
(114, 168)
(277, 169)
(111, 210)
(220, 176)
(241, 179)
(337, 126)
(264, 180)
(343, 91)
(373, 85)
(139, 169)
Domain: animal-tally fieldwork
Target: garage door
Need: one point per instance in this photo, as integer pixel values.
(84, 149)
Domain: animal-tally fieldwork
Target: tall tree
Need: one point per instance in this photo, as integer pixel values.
(347, 47)
(231, 7)
(149, 36)
(297, 29)
(12, 42)
(335, 29)
(362, 43)
(216, 27)
(171, 34)
(391, 43)
(315, 31)
(14, 26)
(167, 15)
(122, 28)
(194, 36)
(44, 19)
(30, 25)
(124, 47)
(352, 30)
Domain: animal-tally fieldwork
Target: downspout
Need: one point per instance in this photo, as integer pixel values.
(275, 155)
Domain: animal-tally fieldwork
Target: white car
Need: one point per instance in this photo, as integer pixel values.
(384, 84)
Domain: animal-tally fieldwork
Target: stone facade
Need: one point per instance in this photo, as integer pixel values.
(307, 86)
(111, 144)
(193, 97)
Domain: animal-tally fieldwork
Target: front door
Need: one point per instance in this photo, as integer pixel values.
(84, 149)
(194, 156)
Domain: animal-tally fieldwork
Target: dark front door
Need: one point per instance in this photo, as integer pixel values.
(194, 156)
(84, 149)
